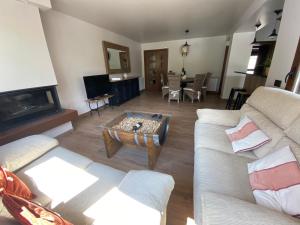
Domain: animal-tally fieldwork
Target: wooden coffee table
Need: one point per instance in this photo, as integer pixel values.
(120, 131)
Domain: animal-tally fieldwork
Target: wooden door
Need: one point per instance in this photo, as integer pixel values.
(292, 75)
(156, 68)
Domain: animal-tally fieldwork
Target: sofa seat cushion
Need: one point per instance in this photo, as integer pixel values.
(17, 154)
(214, 137)
(50, 175)
(222, 173)
(220, 210)
(76, 209)
(228, 118)
(267, 126)
(140, 198)
(266, 99)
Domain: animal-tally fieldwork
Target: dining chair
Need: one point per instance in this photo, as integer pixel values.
(174, 87)
(204, 87)
(194, 92)
(165, 87)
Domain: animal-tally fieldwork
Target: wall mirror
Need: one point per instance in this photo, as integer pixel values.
(116, 58)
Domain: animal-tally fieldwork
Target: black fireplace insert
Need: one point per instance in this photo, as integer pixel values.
(24, 106)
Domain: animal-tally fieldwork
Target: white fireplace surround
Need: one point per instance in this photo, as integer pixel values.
(24, 55)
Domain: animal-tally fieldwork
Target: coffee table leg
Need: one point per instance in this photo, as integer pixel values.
(111, 145)
(153, 153)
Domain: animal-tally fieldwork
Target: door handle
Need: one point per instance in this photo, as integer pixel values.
(290, 74)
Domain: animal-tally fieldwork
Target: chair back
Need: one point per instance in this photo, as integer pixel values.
(174, 82)
(166, 82)
(199, 81)
(208, 75)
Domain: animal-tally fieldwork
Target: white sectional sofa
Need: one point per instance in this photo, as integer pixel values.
(82, 191)
(222, 192)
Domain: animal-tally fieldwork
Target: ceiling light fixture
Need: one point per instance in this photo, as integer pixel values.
(274, 34)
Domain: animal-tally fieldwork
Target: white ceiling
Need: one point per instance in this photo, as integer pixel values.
(158, 20)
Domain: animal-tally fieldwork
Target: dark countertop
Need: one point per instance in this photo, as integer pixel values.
(258, 75)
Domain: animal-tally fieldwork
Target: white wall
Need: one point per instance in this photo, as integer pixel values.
(24, 56)
(239, 55)
(76, 50)
(287, 41)
(206, 55)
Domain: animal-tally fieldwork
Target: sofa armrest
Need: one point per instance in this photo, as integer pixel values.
(19, 153)
(219, 117)
(219, 209)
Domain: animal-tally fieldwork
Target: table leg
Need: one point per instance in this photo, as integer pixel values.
(111, 145)
(153, 153)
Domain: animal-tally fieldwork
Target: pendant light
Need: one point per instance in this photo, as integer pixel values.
(186, 47)
(184, 52)
(274, 34)
(257, 25)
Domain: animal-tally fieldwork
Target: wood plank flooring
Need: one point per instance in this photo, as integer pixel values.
(177, 156)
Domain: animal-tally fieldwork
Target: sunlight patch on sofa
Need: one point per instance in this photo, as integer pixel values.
(116, 207)
(60, 180)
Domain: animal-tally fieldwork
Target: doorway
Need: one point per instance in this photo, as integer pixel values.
(156, 68)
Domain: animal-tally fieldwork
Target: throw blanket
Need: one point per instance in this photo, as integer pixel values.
(141, 198)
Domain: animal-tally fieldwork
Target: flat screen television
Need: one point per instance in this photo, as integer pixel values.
(96, 85)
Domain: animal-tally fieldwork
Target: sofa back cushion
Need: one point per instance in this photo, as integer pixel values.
(280, 106)
(17, 154)
(267, 126)
(293, 132)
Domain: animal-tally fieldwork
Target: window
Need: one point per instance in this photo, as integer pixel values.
(252, 64)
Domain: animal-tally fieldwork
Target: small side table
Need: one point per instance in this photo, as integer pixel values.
(98, 100)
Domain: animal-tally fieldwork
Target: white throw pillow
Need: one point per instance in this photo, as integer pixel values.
(246, 136)
(275, 181)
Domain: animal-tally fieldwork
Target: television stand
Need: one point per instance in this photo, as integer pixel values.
(98, 100)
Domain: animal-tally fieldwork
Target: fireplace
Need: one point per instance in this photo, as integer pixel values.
(24, 106)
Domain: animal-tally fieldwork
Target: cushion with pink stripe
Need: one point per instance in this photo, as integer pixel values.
(246, 136)
(275, 181)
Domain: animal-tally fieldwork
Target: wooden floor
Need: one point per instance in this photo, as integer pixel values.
(177, 154)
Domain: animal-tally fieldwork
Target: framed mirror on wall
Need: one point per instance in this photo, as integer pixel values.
(117, 59)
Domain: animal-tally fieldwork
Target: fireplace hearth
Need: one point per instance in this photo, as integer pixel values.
(25, 106)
